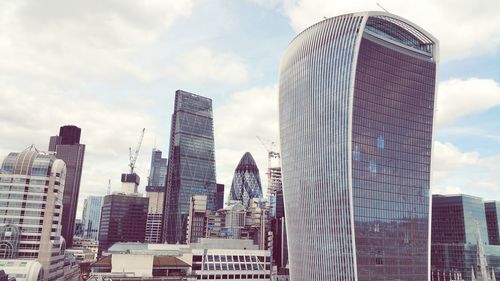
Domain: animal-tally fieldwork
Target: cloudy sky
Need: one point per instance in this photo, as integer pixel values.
(111, 67)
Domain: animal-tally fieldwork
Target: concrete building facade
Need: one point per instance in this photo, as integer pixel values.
(31, 205)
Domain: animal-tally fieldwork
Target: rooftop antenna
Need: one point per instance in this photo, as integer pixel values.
(109, 186)
(382, 8)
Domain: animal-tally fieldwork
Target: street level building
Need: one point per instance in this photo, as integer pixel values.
(31, 202)
(68, 148)
(356, 108)
(191, 162)
(22, 269)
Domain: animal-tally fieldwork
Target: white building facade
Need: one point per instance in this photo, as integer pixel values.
(31, 191)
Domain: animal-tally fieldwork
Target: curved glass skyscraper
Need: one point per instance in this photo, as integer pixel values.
(246, 181)
(356, 117)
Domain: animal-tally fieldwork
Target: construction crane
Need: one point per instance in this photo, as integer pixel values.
(133, 155)
(273, 173)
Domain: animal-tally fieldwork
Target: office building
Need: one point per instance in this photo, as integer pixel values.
(198, 219)
(191, 162)
(91, 217)
(219, 197)
(492, 209)
(246, 181)
(31, 199)
(209, 259)
(356, 108)
(123, 219)
(155, 191)
(68, 148)
(461, 243)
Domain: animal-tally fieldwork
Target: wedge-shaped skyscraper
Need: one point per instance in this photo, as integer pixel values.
(191, 162)
(356, 118)
(246, 181)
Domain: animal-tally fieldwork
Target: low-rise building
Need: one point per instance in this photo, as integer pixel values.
(22, 270)
(209, 259)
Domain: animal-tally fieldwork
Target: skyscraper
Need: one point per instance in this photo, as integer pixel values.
(191, 162)
(155, 191)
(246, 181)
(68, 148)
(31, 196)
(356, 114)
(219, 197)
(91, 216)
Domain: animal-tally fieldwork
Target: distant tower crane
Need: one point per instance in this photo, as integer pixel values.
(133, 155)
(273, 173)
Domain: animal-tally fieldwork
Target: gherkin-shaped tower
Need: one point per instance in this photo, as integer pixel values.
(246, 181)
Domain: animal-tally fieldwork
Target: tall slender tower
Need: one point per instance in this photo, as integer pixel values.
(31, 198)
(155, 191)
(68, 148)
(356, 101)
(191, 162)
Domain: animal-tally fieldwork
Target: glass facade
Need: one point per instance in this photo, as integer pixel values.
(246, 181)
(91, 216)
(356, 116)
(461, 238)
(123, 219)
(191, 162)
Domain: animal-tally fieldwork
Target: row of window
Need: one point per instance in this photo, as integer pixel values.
(234, 276)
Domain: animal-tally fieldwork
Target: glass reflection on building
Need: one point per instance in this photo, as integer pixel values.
(191, 162)
(356, 115)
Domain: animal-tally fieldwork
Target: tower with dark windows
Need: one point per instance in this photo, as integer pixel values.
(68, 148)
(191, 163)
(246, 181)
(357, 95)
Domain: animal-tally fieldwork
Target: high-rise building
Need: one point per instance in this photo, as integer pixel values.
(219, 197)
(191, 162)
(246, 181)
(155, 191)
(123, 219)
(68, 148)
(356, 107)
(492, 209)
(91, 216)
(31, 201)
(460, 239)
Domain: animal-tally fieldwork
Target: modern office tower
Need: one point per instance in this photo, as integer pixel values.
(492, 209)
(31, 200)
(155, 191)
(246, 181)
(460, 243)
(79, 228)
(68, 148)
(219, 197)
(198, 219)
(123, 219)
(191, 162)
(356, 104)
(91, 217)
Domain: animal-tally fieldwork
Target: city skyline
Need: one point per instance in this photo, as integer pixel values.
(466, 147)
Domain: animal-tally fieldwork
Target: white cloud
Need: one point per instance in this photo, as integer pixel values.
(244, 116)
(464, 28)
(457, 98)
(28, 118)
(74, 40)
(203, 64)
(456, 171)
